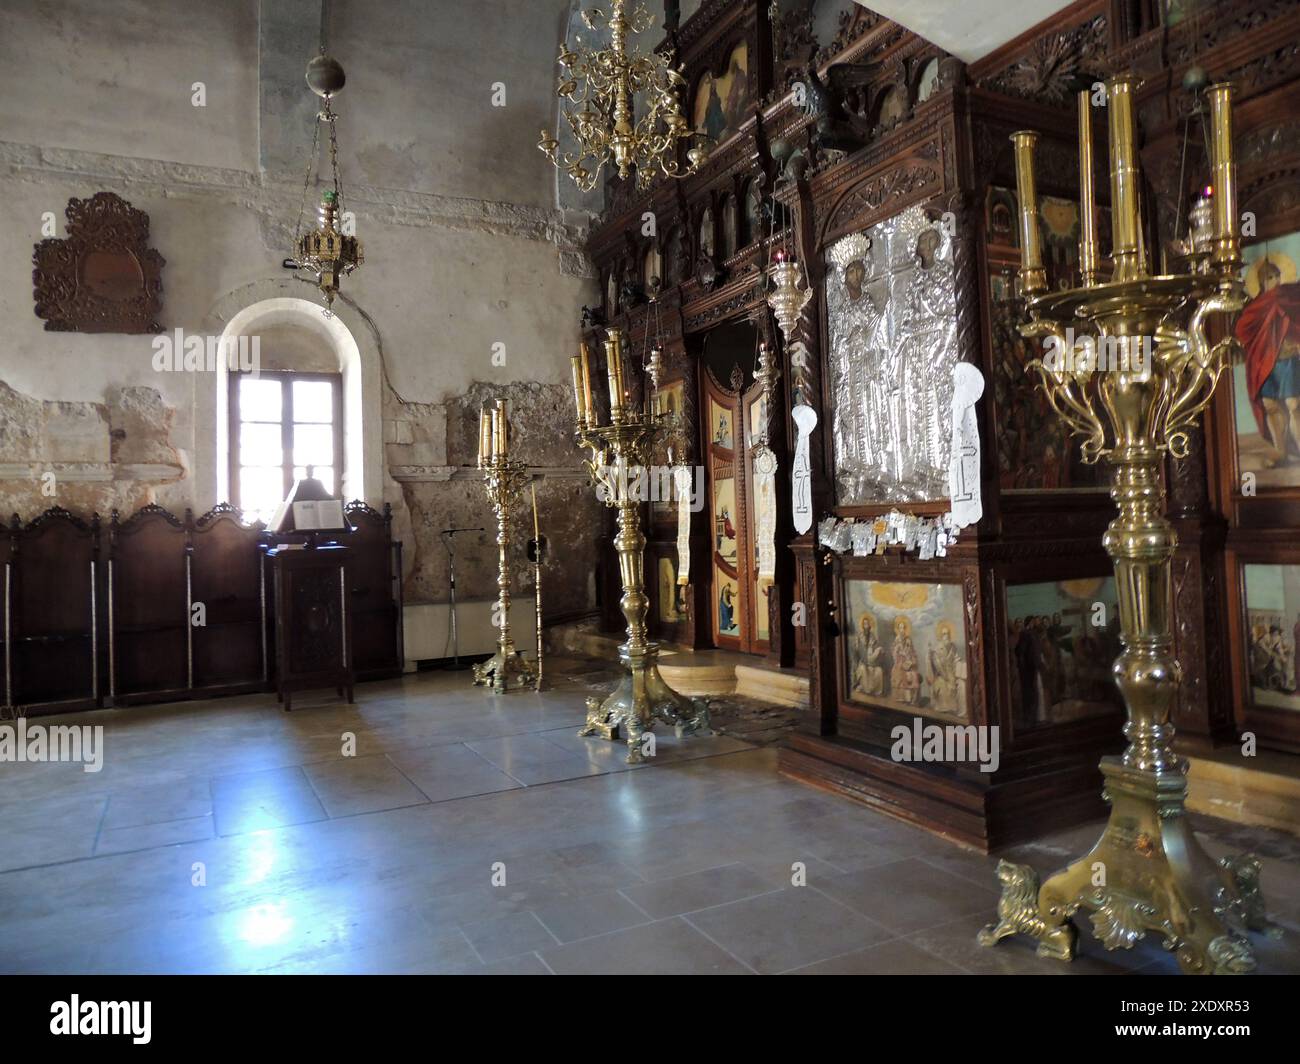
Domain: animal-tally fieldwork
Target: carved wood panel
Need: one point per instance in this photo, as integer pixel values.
(103, 277)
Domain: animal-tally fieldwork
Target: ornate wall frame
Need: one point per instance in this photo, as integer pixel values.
(102, 277)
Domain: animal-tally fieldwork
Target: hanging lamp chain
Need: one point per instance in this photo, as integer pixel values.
(306, 184)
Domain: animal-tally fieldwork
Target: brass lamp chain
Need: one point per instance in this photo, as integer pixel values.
(306, 184)
(329, 116)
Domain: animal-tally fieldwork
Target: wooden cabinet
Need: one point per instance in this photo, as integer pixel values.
(313, 621)
(375, 593)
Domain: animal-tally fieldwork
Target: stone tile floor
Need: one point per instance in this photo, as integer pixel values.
(228, 836)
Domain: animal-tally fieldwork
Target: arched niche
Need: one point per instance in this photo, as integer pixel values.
(302, 337)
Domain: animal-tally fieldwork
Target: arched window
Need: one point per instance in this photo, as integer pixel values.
(294, 399)
(284, 425)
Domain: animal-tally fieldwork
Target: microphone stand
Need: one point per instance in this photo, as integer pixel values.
(449, 537)
(538, 546)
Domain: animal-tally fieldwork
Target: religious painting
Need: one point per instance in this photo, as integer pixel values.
(929, 81)
(893, 108)
(1063, 638)
(670, 604)
(1035, 449)
(891, 303)
(1266, 382)
(721, 430)
(905, 647)
(1273, 633)
(724, 522)
(706, 244)
(720, 101)
(727, 608)
(730, 227)
(611, 294)
(752, 228)
(1058, 226)
(675, 255)
(669, 401)
(1001, 215)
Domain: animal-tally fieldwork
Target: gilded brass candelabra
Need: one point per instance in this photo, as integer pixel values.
(502, 479)
(617, 450)
(603, 87)
(1133, 386)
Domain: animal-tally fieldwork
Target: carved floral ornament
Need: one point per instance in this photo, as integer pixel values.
(103, 277)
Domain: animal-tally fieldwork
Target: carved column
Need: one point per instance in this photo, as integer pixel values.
(806, 384)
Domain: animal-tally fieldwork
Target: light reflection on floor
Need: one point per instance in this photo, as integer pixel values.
(479, 833)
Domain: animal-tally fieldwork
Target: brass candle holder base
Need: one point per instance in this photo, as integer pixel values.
(505, 669)
(1146, 873)
(642, 698)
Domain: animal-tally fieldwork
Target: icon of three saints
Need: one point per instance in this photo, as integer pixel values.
(896, 673)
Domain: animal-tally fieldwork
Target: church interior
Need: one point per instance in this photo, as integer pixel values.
(649, 487)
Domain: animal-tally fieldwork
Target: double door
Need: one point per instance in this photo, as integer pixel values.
(738, 502)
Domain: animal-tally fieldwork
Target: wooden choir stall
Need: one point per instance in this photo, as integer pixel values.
(155, 607)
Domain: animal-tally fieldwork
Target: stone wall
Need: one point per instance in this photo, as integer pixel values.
(473, 276)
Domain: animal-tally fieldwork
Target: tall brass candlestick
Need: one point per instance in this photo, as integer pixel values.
(588, 405)
(1125, 182)
(578, 397)
(614, 360)
(502, 480)
(502, 433)
(1155, 877)
(1033, 278)
(642, 697)
(1227, 250)
(1088, 250)
(484, 436)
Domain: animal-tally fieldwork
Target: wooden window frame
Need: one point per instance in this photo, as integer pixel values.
(286, 377)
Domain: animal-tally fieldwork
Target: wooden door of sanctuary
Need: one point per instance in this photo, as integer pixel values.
(738, 603)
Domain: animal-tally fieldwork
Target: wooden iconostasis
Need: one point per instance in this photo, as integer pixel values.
(899, 201)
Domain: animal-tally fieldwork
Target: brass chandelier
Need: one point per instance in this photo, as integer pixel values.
(602, 85)
(327, 253)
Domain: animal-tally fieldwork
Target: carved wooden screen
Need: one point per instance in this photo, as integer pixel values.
(230, 647)
(52, 651)
(148, 607)
(375, 592)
